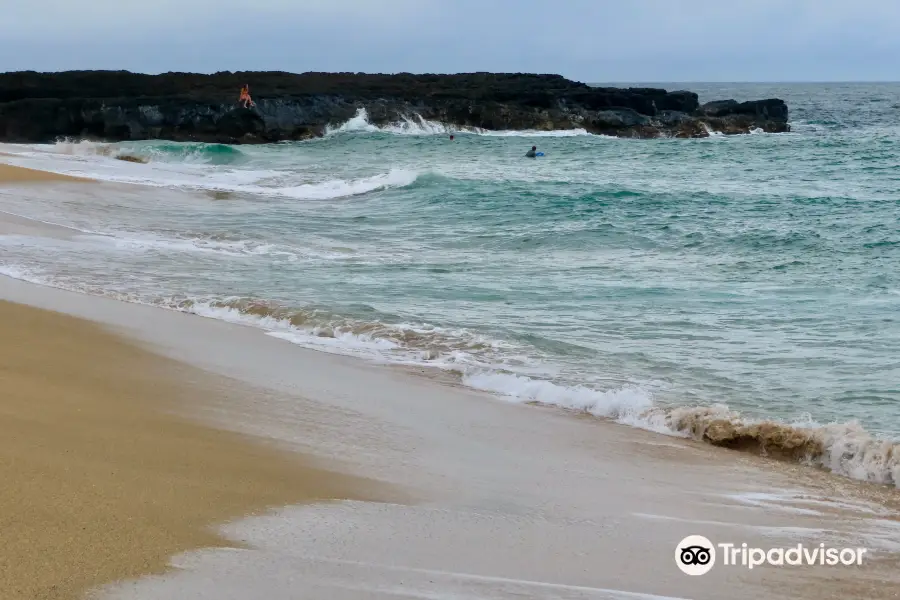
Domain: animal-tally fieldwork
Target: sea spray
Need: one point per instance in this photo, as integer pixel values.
(416, 125)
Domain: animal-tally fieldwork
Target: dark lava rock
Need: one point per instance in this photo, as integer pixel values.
(118, 105)
(718, 108)
(730, 116)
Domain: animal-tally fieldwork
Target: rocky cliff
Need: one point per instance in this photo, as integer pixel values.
(116, 106)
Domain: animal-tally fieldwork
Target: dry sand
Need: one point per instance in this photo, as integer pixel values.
(11, 174)
(100, 481)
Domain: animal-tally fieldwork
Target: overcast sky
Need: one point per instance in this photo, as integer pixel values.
(588, 40)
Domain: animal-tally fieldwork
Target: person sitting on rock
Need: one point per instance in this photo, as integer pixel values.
(531, 153)
(245, 97)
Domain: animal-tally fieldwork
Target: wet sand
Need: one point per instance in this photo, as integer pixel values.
(101, 480)
(11, 174)
(11, 224)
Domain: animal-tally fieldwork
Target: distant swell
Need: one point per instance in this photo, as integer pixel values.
(846, 448)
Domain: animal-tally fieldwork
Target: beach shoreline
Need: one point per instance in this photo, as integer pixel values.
(338, 407)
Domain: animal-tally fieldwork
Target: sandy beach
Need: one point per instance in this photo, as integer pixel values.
(16, 175)
(149, 454)
(101, 481)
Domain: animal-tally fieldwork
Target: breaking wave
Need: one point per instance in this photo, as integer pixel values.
(338, 188)
(414, 125)
(843, 448)
(154, 151)
(265, 183)
(417, 125)
(402, 343)
(194, 166)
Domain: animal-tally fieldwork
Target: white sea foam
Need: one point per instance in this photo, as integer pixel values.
(374, 340)
(140, 243)
(357, 123)
(626, 404)
(537, 133)
(407, 125)
(318, 338)
(417, 125)
(340, 188)
(853, 451)
(711, 132)
(82, 160)
(23, 274)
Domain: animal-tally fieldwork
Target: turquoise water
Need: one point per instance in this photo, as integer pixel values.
(756, 271)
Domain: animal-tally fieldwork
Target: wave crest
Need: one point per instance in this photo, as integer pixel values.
(407, 343)
(415, 124)
(340, 188)
(152, 151)
(845, 449)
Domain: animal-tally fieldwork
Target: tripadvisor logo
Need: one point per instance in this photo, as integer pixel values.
(696, 555)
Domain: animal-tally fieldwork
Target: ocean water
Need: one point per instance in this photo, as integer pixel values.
(668, 284)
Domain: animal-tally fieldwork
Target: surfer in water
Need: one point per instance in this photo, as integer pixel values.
(245, 97)
(531, 153)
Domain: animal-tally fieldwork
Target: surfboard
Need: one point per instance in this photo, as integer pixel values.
(538, 153)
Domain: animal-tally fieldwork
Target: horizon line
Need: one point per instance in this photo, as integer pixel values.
(587, 81)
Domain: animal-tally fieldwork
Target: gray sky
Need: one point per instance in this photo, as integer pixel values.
(588, 40)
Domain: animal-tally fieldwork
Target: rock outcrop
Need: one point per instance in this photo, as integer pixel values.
(117, 106)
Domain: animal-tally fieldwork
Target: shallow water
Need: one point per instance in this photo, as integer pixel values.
(612, 275)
